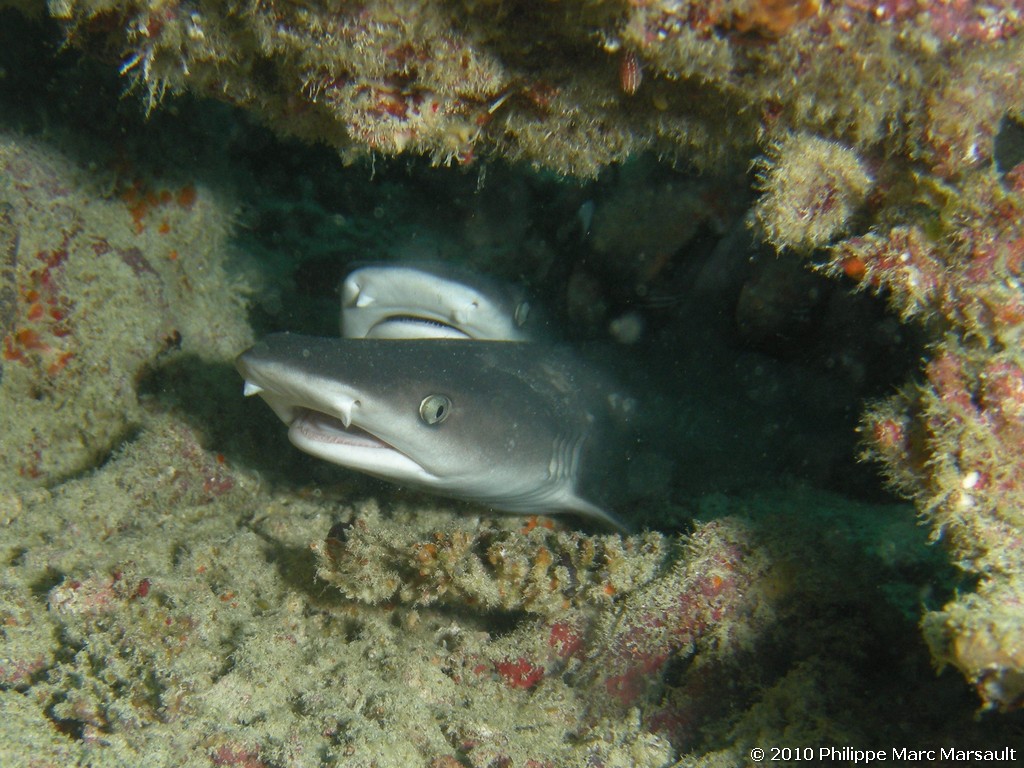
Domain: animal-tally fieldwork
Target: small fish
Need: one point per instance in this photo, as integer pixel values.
(631, 73)
(415, 301)
(524, 428)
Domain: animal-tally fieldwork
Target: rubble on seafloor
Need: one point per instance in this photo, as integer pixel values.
(196, 630)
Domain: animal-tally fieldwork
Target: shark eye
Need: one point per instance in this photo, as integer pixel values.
(435, 408)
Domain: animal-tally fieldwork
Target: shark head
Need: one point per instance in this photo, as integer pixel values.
(500, 423)
(395, 301)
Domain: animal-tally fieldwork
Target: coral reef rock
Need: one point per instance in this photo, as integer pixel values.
(571, 86)
(97, 286)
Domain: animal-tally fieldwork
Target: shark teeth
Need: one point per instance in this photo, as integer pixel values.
(345, 411)
(353, 295)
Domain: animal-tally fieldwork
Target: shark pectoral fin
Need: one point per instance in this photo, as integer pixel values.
(594, 512)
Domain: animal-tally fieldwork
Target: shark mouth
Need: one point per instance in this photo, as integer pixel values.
(327, 437)
(413, 327)
(320, 427)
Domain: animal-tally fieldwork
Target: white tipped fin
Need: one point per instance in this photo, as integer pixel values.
(251, 389)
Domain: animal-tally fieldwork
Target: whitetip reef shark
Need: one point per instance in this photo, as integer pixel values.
(431, 300)
(521, 427)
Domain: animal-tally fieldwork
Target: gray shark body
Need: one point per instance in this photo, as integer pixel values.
(519, 427)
